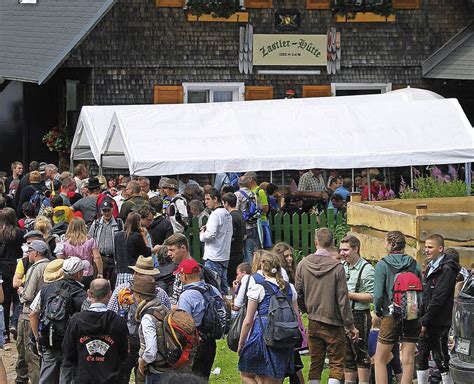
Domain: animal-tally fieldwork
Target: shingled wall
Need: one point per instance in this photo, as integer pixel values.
(138, 45)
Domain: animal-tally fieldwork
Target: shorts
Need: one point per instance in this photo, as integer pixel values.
(357, 355)
(392, 331)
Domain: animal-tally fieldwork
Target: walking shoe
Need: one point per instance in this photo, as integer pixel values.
(13, 332)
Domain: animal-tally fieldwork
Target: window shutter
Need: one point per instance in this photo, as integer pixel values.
(258, 4)
(318, 4)
(316, 90)
(170, 3)
(406, 4)
(258, 93)
(168, 94)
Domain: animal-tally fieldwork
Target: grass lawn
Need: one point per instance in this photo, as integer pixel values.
(227, 361)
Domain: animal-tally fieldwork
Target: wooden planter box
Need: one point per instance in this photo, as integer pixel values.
(367, 17)
(451, 217)
(239, 17)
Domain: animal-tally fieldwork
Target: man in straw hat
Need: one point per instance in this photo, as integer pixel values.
(37, 256)
(66, 294)
(95, 342)
(122, 302)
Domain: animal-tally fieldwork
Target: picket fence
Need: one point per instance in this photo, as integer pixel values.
(296, 230)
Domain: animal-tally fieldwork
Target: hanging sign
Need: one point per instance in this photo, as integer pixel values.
(289, 49)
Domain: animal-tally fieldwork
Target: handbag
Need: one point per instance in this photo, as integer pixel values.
(233, 336)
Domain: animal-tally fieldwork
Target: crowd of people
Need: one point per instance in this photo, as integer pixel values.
(98, 283)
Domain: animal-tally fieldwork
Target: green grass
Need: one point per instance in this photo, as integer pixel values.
(227, 361)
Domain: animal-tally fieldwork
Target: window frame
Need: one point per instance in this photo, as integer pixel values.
(383, 87)
(238, 90)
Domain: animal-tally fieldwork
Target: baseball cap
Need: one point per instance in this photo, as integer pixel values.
(74, 264)
(170, 183)
(251, 175)
(187, 267)
(105, 204)
(38, 246)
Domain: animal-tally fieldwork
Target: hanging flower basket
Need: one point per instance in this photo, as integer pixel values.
(215, 8)
(58, 139)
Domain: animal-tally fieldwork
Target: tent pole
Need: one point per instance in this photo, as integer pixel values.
(468, 178)
(353, 180)
(369, 187)
(271, 176)
(412, 181)
(283, 178)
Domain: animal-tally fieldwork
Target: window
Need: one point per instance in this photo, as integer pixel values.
(347, 89)
(213, 92)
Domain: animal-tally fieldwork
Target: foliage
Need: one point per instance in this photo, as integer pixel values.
(426, 187)
(57, 139)
(216, 8)
(340, 232)
(350, 8)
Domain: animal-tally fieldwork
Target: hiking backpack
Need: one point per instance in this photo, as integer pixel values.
(180, 336)
(282, 330)
(215, 323)
(54, 318)
(407, 293)
(252, 212)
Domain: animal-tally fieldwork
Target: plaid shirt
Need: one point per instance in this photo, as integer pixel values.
(310, 183)
(114, 305)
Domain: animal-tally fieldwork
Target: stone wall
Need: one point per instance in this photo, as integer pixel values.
(138, 45)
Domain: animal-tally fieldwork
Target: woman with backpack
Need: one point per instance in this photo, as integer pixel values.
(78, 243)
(11, 240)
(259, 362)
(393, 268)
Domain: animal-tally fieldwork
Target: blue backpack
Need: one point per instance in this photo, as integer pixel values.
(216, 321)
(253, 212)
(38, 199)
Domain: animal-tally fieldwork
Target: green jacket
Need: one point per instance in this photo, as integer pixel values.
(384, 277)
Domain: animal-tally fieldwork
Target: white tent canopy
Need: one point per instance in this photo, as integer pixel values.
(400, 128)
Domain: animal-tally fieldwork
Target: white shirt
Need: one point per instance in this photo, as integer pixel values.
(218, 235)
(149, 335)
(119, 199)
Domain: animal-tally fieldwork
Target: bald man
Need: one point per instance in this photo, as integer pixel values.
(94, 343)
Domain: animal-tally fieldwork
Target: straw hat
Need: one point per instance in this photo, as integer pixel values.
(145, 266)
(54, 271)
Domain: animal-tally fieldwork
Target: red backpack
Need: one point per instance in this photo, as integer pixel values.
(407, 293)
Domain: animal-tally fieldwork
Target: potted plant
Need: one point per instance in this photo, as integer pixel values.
(215, 8)
(350, 8)
(58, 139)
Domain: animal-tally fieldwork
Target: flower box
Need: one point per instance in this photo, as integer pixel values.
(367, 17)
(239, 17)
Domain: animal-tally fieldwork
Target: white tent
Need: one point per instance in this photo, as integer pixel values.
(94, 123)
(406, 127)
(290, 134)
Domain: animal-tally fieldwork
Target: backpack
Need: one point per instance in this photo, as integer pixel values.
(38, 199)
(252, 212)
(210, 277)
(406, 293)
(180, 336)
(215, 323)
(282, 330)
(54, 318)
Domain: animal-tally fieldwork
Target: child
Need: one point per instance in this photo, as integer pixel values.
(394, 366)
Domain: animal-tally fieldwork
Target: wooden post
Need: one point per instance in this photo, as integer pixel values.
(356, 197)
(421, 209)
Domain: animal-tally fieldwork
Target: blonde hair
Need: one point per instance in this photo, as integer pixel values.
(271, 266)
(76, 233)
(43, 224)
(257, 260)
(35, 177)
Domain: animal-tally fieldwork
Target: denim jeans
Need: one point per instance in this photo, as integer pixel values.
(251, 244)
(52, 369)
(220, 267)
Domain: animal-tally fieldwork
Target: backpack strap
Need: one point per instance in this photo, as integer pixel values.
(359, 282)
(244, 194)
